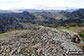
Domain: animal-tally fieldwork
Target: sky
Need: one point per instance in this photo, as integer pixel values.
(40, 4)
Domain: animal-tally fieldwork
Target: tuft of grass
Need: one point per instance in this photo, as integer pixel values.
(81, 34)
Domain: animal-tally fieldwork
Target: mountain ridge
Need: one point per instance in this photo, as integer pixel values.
(13, 20)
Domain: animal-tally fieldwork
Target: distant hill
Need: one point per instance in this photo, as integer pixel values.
(76, 16)
(13, 20)
(79, 14)
(36, 10)
(5, 11)
(62, 17)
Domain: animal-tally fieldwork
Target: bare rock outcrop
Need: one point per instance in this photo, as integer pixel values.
(42, 42)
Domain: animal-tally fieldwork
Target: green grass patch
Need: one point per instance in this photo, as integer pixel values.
(2, 34)
(8, 32)
(69, 28)
(81, 34)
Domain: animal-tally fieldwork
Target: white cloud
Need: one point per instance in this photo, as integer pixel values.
(41, 4)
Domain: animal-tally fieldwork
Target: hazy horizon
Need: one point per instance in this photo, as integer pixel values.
(41, 4)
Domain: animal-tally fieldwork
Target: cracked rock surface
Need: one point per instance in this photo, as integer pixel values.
(44, 41)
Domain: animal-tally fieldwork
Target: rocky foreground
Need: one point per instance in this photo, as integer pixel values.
(40, 41)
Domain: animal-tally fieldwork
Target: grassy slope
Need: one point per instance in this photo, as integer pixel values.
(8, 32)
(69, 28)
(76, 29)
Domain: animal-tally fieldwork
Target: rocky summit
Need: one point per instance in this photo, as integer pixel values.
(39, 41)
